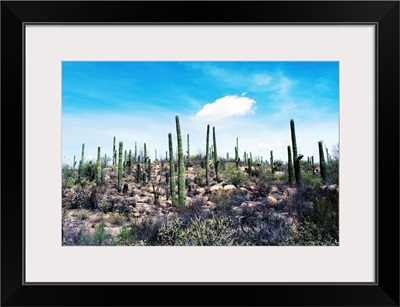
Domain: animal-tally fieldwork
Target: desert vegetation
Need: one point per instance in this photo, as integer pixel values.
(190, 200)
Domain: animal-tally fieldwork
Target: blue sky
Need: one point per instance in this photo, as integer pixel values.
(251, 101)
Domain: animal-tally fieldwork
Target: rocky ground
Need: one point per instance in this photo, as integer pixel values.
(86, 206)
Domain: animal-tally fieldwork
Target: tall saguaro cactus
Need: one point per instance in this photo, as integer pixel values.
(181, 166)
(171, 170)
(237, 159)
(296, 157)
(98, 168)
(80, 170)
(216, 161)
(272, 162)
(322, 164)
(290, 166)
(207, 156)
(135, 159)
(114, 155)
(121, 147)
(188, 151)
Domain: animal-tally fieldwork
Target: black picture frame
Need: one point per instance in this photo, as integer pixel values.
(383, 14)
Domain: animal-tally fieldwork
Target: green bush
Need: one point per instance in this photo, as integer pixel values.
(319, 225)
(234, 176)
(100, 236)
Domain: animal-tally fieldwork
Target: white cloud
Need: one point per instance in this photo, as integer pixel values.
(225, 107)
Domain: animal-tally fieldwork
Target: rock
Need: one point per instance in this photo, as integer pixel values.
(272, 201)
(289, 192)
(229, 188)
(200, 191)
(274, 189)
(244, 190)
(216, 189)
(279, 174)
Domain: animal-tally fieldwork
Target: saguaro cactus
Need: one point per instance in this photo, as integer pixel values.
(207, 156)
(312, 165)
(171, 170)
(188, 151)
(216, 161)
(237, 159)
(136, 153)
(249, 166)
(138, 173)
(129, 161)
(296, 157)
(80, 170)
(114, 155)
(181, 167)
(121, 147)
(290, 166)
(272, 162)
(322, 164)
(145, 154)
(74, 163)
(98, 168)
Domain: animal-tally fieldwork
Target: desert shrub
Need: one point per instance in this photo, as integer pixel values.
(237, 197)
(308, 179)
(72, 236)
(116, 218)
(234, 176)
(200, 176)
(319, 224)
(262, 227)
(261, 189)
(266, 175)
(100, 236)
(125, 238)
(332, 172)
(145, 229)
(89, 170)
(221, 201)
(172, 232)
(216, 231)
(104, 206)
(309, 233)
(194, 208)
(69, 177)
(83, 198)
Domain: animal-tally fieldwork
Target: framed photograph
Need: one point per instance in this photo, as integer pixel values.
(212, 153)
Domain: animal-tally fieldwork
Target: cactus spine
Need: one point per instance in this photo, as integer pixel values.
(171, 169)
(296, 157)
(181, 167)
(98, 169)
(290, 166)
(322, 164)
(272, 162)
(121, 147)
(80, 170)
(207, 156)
(216, 161)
